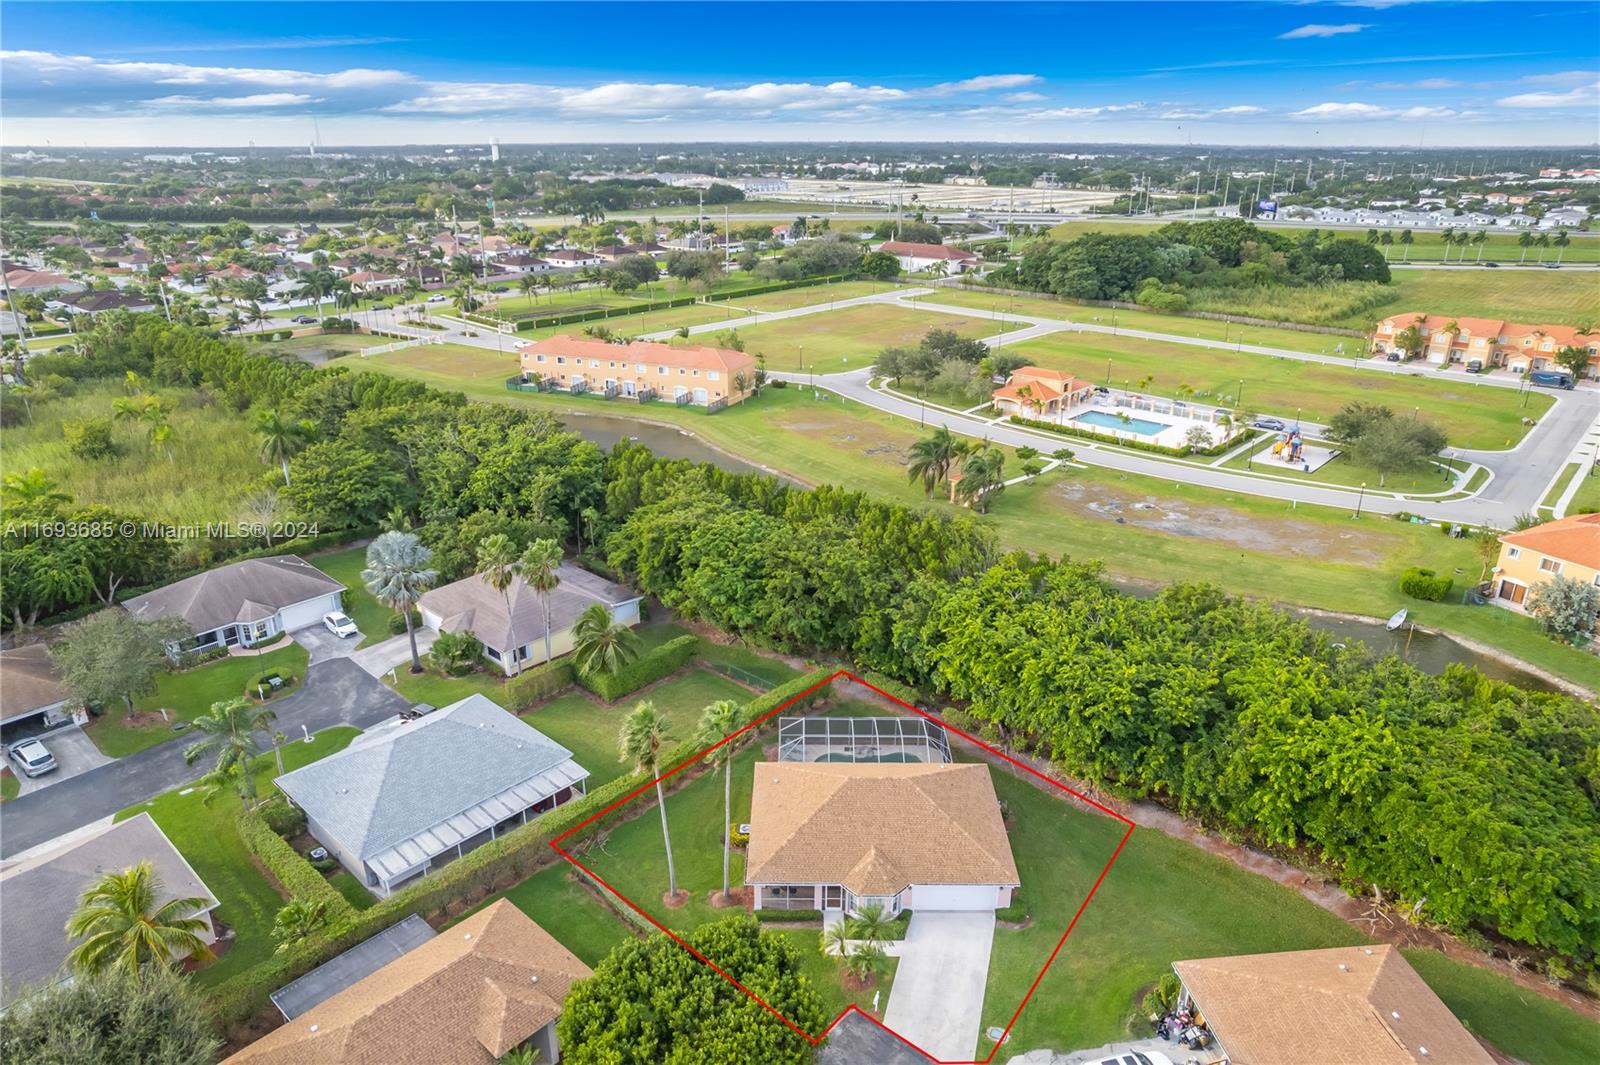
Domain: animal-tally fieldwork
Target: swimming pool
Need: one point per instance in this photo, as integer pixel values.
(1107, 420)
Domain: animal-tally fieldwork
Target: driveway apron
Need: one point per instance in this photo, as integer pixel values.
(937, 998)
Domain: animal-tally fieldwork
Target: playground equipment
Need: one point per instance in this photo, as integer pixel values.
(1288, 447)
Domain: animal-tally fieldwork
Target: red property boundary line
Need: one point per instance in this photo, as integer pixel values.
(817, 1039)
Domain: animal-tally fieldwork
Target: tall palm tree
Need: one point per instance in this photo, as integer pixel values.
(33, 490)
(230, 729)
(644, 733)
(1561, 241)
(282, 438)
(600, 645)
(498, 565)
(1407, 239)
(1525, 241)
(717, 722)
(540, 565)
(981, 477)
(125, 928)
(397, 573)
(932, 456)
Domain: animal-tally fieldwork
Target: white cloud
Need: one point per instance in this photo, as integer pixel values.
(1318, 29)
(1581, 96)
(989, 83)
(1563, 77)
(1370, 112)
(1213, 112)
(1023, 97)
(260, 99)
(1084, 112)
(1428, 84)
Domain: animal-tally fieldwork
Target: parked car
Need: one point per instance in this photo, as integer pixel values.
(1099, 390)
(1394, 356)
(1550, 379)
(303, 319)
(32, 757)
(1474, 365)
(1552, 266)
(1277, 425)
(1492, 266)
(340, 625)
(1138, 1057)
(437, 297)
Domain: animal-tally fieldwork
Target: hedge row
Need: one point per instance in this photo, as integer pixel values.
(533, 686)
(1138, 445)
(774, 286)
(663, 661)
(889, 686)
(292, 870)
(604, 312)
(787, 916)
(775, 698)
(515, 856)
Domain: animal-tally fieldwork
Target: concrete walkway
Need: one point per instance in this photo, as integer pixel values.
(392, 653)
(937, 998)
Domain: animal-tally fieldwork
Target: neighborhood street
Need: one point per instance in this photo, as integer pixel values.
(335, 692)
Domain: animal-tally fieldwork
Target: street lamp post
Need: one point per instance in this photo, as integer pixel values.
(1361, 498)
(1108, 373)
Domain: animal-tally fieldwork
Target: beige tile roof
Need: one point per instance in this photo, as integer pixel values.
(876, 828)
(463, 998)
(1341, 1006)
(647, 352)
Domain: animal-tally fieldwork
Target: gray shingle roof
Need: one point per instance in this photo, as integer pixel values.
(404, 778)
(29, 682)
(471, 605)
(250, 590)
(39, 894)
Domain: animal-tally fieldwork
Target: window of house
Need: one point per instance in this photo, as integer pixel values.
(538, 358)
(1513, 552)
(662, 370)
(594, 364)
(638, 368)
(561, 360)
(1549, 565)
(694, 373)
(681, 371)
(714, 375)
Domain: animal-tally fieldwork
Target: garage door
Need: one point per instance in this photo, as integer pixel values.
(301, 615)
(953, 897)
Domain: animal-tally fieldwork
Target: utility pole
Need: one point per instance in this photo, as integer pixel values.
(1196, 208)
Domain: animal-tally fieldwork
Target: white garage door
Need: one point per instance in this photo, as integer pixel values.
(301, 615)
(953, 896)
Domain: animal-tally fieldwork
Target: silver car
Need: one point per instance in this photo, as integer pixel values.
(32, 757)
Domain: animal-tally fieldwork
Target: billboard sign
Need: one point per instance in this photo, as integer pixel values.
(1267, 207)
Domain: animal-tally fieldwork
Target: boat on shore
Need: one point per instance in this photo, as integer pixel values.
(1397, 619)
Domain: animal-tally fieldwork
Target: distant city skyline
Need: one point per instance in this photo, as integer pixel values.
(1375, 73)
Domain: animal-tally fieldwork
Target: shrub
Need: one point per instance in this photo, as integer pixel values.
(779, 383)
(295, 873)
(1421, 583)
(663, 661)
(90, 438)
(533, 686)
(284, 334)
(765, 704)
(787, 916)
(889, 686)
(456, 653)
(283, 817)
(397, 623)
(737, 838)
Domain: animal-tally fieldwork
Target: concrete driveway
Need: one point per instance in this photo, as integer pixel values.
(323, 646)
(937, 998)
(74, 752)
(380, 658)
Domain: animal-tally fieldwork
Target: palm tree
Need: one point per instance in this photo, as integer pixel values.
(527, 283)
(282, 438)
(1447, 238)
(541, 565)
(1525, 240)
(1406, 239)
(32, 490)
(869, 923)
(1542, 241)
(867, 963)
(230, 729)
(600, 645)
(931, 458)
(301, 919)
(1561, 241)
(497, 565)
(644, 732)
(981, 478)
(397, 573)
(719, 721)
(124, 929)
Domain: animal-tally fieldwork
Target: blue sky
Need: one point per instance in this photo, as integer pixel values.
(1362, 72)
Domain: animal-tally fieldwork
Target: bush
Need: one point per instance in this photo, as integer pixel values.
(283, 817)
(456, 653)
(295, 873)
(397, 623)
(91, 438)
(787, 916)
(1421, 583)
(284, 334)
(737, 838)
(339, 325)
(533, 686)
(779, 383)
(889, 686)
(323, 865)
(663, 661)
(765, 704)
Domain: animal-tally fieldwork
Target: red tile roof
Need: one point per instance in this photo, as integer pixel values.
(1574, 539)
(925, 251)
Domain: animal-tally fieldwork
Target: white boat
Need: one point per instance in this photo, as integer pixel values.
(1397, 620)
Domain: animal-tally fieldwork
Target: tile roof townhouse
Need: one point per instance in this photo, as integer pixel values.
(704, 376)
(245, 603)
(477, 991)
(914, 256)
(1491, 341)
(1567, 547)
(836, 836)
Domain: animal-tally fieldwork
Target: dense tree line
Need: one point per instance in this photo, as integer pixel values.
(1159, 268)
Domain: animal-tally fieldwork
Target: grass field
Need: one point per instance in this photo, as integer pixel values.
(187, 695)
(370, 616)
(1562, 298)
(323, 346)
(1587, 498)
(1474, 415)
(1258, 547)
(1344, 470)
(851, 337)
(205, 835)
(214, 463)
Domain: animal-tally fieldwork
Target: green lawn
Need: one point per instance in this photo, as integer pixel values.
(851, 337)
(1344, 470)
(558, 901)
(205, 835)
(1519, 1022)
(1255, 546)
(10, 786)
(327, 345)
(352, 889)
(1587, 498)
(370, 616)
(1471, 415)
(1559, 297)
(187, 695)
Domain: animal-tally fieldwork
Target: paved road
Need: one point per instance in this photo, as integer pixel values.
(857, 1041)
(336, 692)
(937, 998)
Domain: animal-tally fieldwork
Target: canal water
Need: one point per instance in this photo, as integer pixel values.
(1426, 651)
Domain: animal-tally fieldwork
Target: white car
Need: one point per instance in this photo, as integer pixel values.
(32, 757)
(437, 298)
(340, 625)
(1138, 1057)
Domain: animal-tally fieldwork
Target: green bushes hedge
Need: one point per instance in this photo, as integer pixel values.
(775, 698)
(775, 286)
(548, 320)
(787, 916)
(294, 872)
(661, 662)
(889, 686)
(1138, 445)
(1421, 583)
(533, 686)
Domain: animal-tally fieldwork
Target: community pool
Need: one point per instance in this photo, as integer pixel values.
(1107, 420)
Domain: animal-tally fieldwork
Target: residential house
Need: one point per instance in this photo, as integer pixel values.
(1037, 392)
(32, 700)
(835, 836)
(510, 624)
(520, 264)
(39, 894)
(1567, 547)
(136, 261)
(244, 603)
(40, 281)
(704, 376)
(1492, 341)
(1363, 1005)
(415, 793)
(102, 300)
(496, 245)
(370, 281)
(471, 995)
(916, 257)
(572, 259)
